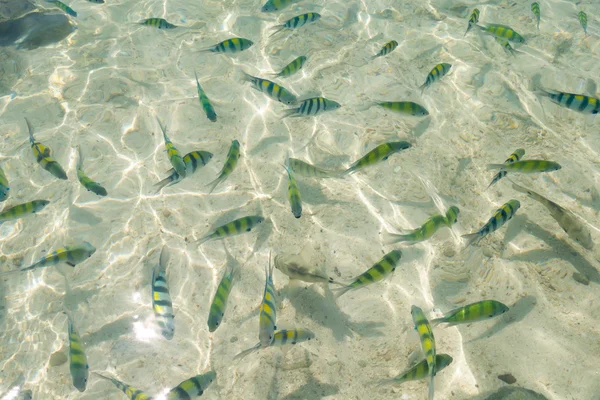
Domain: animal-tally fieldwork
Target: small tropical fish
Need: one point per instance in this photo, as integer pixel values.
(219, 303)
(571, 224)
(173, 153)
(193, 387)
(193, 161)
(96, 1)
(297, 22)
(535, 9)
(506, 45)
(527, 166)
(159, 23)
(241, 225)
(423, 328)
(293, 193)
(516, 156)
(271, 89)
(474, 312)
(233, 45)
(405, 107)
(205, 102)
(386, 49)
(63, 7)
(421, 370)
(268, 310)
(78, 361)
(428, 229)
(21, 210)
(576, 102)
(70, 255)
(502, 32)
(42, 156)
(4, 189)
(436, 73)
(377, 272)
(294, 267)
(85, 181)
(473, 20)
(281, 338)
(379, 153)
(161, 299)
(583, 20)
(307, 170)
(292, 67)
(276, 5)
(230, 163)
(500, 217)
(131, 392)
(312, 107)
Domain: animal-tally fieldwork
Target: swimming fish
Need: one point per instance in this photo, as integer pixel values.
(230, 163)
(423, 328)
(240, 225)
(96, 1)
(297, 22)
(4, 188)
(386, 49)
(63, 7)
(502, 32)
(312, 107)
(42, 156)
(131, 392)
(161, 299)
(377, 272)
(576, 102)
(405, 107)
(205, 102)
(307, 170)
(193, 387)
(535, 9)
(571, 224)
(428, 229)
(193, 161)
(292, 67)
(281, 338)
(379, 153)
(294, 267)
(583, 20)
(473, 20)
(293, 193)
(436, 73)
(516, 156)
(276, 5)
(159, 23)
(78, 361)
(527, 166)
(506, 45)
(233, 45)
(85, 181)
(70, 255)
(500, 217)
(271, 89)
(219, 303)
(21, 210)
(474, 312)
(173, 153)
(420, 370)
(268, 310)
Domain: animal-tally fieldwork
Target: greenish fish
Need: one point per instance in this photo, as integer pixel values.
(535, 9)
(292, 67)
(193, 161)
(379, 153)
(174, 155)
(159, 23)
(219, 303)
(474, 312)
(192, 387)
(294, 267)
(22, 210)
(276, 5)
(473, 20)
(233, 45)
(70, 255)
(312, 107)
(576, 102)
(506, 45)
(428, 229)
(436, 73)
(268, 310)
(4, 187)
(405, 107)
(293, 193)
(205, 102)
(85, 181)
(307, 170)
(297, 22)
(516, 156)
(231, 161)
(131, 392)
(63, 7)
(502, 32)
(78, 361)
(161, 299)
(386, 49)
(527, 166)
(42, 156)
(281, 338)
(420, 370)
(377, 272)
(583, 20)
(500, 217)
(425, 332)
(236, 227)
(271, 89)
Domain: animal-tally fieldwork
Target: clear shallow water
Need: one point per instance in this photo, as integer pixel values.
(103, 86)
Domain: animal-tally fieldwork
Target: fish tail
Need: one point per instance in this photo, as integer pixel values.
(391, 238)
(279, 29)
(203, 239)
(288, 113)
(31, 139)
(212, 185)
(496, 166)
(422, 87)
(244, 353)
(162, 128)
(437, 321)
(341, 291)
(103, 377)
(349, 171)
(164, 258)
(431, 375)
(169, 180)
(471, 238)
(80, 157)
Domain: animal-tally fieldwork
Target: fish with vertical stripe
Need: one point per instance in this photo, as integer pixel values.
(161, 299)
(427, 340)
(376, 273)
(500, 217)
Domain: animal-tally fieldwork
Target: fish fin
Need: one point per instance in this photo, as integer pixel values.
(165, 255)
(437, 321)
(31, 139)
(212, 185)
(339, 292)
(279, 29)
(244, 353)
(163, 129)
(292, 112)
(496, 166)
(471, 238)
(102, 376)
(391, 238)
(431, 375)
(80, 157)
(168, 181)
(203, 239)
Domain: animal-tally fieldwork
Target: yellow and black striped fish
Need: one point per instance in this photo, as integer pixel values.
(281, 338)
(436, 73)
(500, 217)
(312, 107)
(379, 153)
(4, 188)
(582, 16)
(276, 5)
(535, 9)
(420, 370)
(131, 392)
(63, 7)
(193, 160)
(423, 328)
(219, 303)
(473, 20)
(386, 49)
(377, 272)
(174, 155)
(516, 156)
(161, 299)
(474, 312)
(268, 310)
(405, 107)
(42, 156)
(70, 255)
(78, 361)
(233, 45)
(205, 102)
(297, 22)
(502, 32)
(21, 210)
(527, 166)
(193, 387)
(271, 89)
(576, 102)
(308, 170)
(85, 181)
(159, 23)
(428, 229)
(293, 193)
(236, 227)
(292, 67)
(231, 162)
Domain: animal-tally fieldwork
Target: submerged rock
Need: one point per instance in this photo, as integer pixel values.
(35, 30)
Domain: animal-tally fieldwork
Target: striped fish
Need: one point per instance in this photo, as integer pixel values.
(70, 255)
(192, 387)
(236, 227)
(312, 107)
(377, 272)
(427, 343)
(436, 73)
(42, 156)
(297, 22)
(379, 153)
(131, 392)
(386, 49)
(516, 156)
(527, 166)
(307, 170)
(582, 16)
(268, 311)
(405, 107)
(193, 161)
(474, 312)
(271, 89)
(500, 217)
(233, 45)
(421, 370)
(205, 102)
(231, 161)
(161, 299)
(292, 67)
(502, 32)
(159, 23)
(174, 155)
(293, 193)
(575, 102)
(276, 5)
(85, 181)
(63, 7)
(281, 338)
(506, 45)
(535, 9)
(78, 361)
(219, 303)
(473, 20)
(428, 229)
(4, 187)
(21, 210)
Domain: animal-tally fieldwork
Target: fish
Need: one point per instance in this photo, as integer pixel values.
(174, 155)
(193, 161)
(307, 170)
(436, 73)
(271, 89)
(502, 32)
(377, 272)
(582, 16)
(294, 267)
(473, 20)
(292, 67)
(571, 224)
(386, 49)
(293, 193)
(427, 339)
(63, 7)
(281, 338)
(192, 387)
(230, 163)
(25, 395)
(230, 46)
(420, 370)
(500, 217)
(535, 9)
(312, 107)
(276, 5)
(516, 156)
(405, 107)
(4, 186)
(159, 23)
(70, 255)
(131, 392)
(205, 102)
(428, 229)
(527, 166)
(474, 312)
(268, 310)
(506, 45)
(21, 210)
(78, 364)
(576, 102)
(219, 303)
(85, 181)
(379, 153)
(236, 227)
(161, 299)
(96, 1)
(297, 22)
(42, 156)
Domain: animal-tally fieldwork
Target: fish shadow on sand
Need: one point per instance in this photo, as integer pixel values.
(266, 143)
(312, 194)
(110, 332)
(312, 389)
(516, 313)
